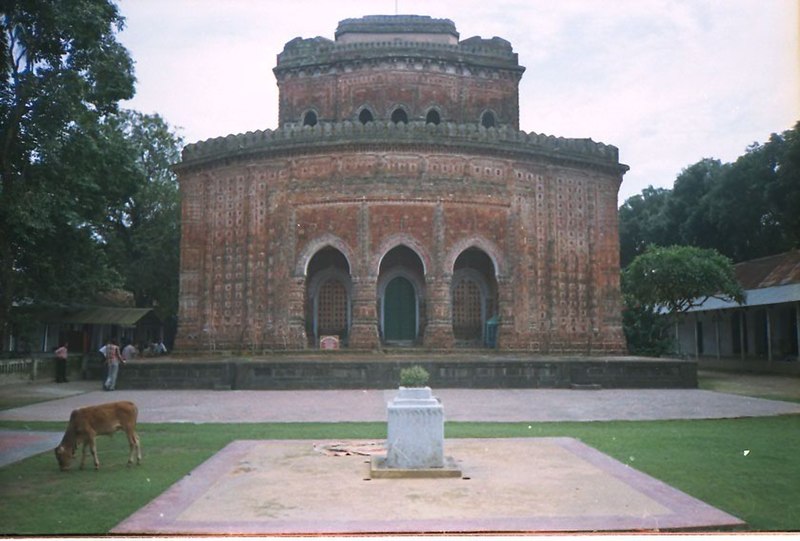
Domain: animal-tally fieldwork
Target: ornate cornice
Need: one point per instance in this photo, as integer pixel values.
(318, 53)
(293, 138)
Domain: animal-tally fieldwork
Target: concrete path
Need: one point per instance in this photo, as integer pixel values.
(491, 405)
(16, 445)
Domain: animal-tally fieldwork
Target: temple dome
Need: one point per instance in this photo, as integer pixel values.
(416, 28)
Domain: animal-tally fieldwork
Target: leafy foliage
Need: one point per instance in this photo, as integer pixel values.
(142, 234)
(646, 331)
(642, 221)
(89, 202)
(678, 278)
(744, 210)
(62, 72)
(675, 279)
(414, 376)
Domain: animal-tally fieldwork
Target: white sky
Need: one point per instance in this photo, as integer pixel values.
(669, 82)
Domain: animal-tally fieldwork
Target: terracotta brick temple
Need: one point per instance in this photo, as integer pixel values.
(398, 204)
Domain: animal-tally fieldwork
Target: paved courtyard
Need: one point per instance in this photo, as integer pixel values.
(525, 485)
(491, 405)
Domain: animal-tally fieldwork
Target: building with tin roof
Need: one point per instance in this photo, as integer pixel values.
(763, 332)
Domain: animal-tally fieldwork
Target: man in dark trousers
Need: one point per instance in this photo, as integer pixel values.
(61, 364)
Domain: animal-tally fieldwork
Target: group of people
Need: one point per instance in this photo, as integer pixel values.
(114, 357)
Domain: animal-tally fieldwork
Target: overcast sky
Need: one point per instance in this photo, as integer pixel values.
(669, 82)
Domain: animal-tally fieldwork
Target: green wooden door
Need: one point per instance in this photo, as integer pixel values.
(399, 310)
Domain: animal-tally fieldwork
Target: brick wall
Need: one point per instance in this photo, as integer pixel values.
(250, 229)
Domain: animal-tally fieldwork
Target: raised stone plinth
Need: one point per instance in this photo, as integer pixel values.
(415, 439)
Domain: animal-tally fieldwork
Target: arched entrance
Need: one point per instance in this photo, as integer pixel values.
(401, 296)
(328, 296)
(400, 310)
(474, 296)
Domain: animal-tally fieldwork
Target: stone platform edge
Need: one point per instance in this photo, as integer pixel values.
(324, 372)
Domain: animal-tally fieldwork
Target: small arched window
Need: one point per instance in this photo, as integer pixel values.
(399, 115)
(433, 117)
(310, 119)
(487, 120)
(365, 116)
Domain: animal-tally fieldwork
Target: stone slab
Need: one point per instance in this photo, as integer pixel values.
(379, 470)
(509, 486)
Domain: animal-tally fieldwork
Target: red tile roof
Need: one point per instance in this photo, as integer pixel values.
(775, 270)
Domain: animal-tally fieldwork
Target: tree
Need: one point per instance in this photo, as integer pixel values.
(675, 279)
(646, 331)
(62, 72)
(687, 207)
(678, 278)
(642, 221)
(756, 202)
(143, 234)
(744, 210)
(784, 193)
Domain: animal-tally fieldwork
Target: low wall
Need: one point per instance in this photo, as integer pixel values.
(384, 374)
(36, 369)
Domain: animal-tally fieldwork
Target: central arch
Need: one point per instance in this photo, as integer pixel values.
(400, 310)
(401, 285)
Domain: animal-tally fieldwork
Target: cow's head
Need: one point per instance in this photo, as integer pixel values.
(64, 457)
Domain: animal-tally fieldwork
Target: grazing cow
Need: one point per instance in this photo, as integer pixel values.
(87, 423)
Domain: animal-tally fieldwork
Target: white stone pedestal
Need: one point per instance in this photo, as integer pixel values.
(415, 439)
(416, 430)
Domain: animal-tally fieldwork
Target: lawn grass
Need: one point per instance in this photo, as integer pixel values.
(746, 467)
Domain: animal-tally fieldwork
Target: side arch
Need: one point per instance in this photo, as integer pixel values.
(471, 301)
(482, 244)
(323, 318)
(365, 114)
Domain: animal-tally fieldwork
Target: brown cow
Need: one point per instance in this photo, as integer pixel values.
(105, 419)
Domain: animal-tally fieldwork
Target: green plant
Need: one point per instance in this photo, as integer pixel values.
(414, 376)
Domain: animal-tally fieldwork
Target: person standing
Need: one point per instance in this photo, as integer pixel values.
(113, 360)
(129, 352)
(61, 363)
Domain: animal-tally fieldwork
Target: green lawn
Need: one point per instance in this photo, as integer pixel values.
(747, 467)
